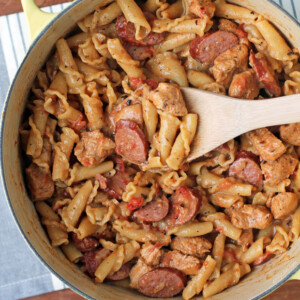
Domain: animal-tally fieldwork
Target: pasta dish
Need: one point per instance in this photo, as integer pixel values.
(106, 133)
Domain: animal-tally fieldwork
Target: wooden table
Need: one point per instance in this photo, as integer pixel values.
(289, 291)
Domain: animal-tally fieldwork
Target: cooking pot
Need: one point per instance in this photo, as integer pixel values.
(257, 284)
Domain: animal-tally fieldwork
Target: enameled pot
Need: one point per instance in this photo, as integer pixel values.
(257, 284)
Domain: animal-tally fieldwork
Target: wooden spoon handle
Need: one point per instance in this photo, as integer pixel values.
(264, 113)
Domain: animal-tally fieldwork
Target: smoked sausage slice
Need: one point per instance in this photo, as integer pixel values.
(126, 31)
(122, 274)
(265, 74)
(86, 244)
(131, 142)
(246, 167)
(154, 211)
(162, 282)
(206, 49)
(185, 204)
(93, 259)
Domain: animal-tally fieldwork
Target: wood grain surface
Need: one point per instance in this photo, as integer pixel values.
(288, 291)
(12, 6)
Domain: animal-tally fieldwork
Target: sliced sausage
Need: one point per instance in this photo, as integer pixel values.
(197, 246)
(116, 185)
(244, 86)
(188, 264)
(265, 74)
(251, 216)
(207, 48)
(246, 167)
(290, 133)
(86, 244)
(162, 282)
(122, 274)
(92, 259)
(185, 204)
(126, 31)
(283, 204)
(131, 142)
(154, 211)
(139, 52)
(268, 146)
(277, 170)
(137, 271)
(39, 182)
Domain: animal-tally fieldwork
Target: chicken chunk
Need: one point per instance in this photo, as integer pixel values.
(151, 254)
(283, 204)
(202, 8)
(137, 271)
(93, 148)
(196, 246)
(251, 216)
(275, 171)
(230, 62)
(39, 182)
(168, 98)
(187, 264)
(244, 85)
(268, 146)
(290, 133)
(227, 25)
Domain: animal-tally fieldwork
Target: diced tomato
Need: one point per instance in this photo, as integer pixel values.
(241, 32)
(219, 229)
(79, 124)
(135, 83)
(135, 203)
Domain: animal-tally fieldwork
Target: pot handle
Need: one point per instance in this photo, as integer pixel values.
(36, 18)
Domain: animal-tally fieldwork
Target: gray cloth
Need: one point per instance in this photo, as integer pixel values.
(21, 273)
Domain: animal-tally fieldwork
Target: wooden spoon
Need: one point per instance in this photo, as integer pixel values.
(223, 118)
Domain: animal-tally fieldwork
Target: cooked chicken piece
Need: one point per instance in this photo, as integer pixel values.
(151, 254)
(202, 8)
(244, 85)
(197, 246)
(268, 146)
(275, 171)
(93, 148)
(251, 216)
(290, 133)
(168, 98)
(228, 63)
(283, 204)
(189, 265)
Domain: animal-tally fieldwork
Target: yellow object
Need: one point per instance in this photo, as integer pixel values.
(295, 276)
(36, 19)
